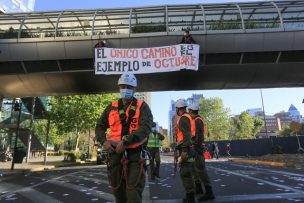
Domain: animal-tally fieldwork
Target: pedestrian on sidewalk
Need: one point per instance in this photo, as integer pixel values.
(201, 175)
(215, 150)
(228, 148)
(153, 147)
(129, 122)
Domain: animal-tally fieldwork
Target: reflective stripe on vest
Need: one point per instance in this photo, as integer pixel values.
(205, 127)
(116, 126)
(153, 140)
(180, 136)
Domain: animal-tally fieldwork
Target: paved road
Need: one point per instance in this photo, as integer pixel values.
(232, 183)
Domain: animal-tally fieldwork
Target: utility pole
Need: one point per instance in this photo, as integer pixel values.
(264, 113)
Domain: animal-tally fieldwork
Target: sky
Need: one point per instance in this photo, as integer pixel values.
(45, 5)
(275, 100)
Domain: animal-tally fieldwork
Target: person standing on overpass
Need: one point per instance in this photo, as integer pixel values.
(187, 38)
(200, 165)
(130, 123)
(153, 148)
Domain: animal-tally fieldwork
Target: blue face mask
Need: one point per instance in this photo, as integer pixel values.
(126, 93)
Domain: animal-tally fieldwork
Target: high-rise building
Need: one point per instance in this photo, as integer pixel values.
(295, 114)
(15, 6)
(195, 98)
(172, 122)
(285, 118)
(273, 125)
(252, 112)
(144, 96)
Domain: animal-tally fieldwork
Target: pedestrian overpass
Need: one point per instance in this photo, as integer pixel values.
(242, 45)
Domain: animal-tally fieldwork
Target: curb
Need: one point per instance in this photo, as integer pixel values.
(257, 162)
(44, 168)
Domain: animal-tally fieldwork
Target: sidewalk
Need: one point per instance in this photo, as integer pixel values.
(279, 160)
(35, 164)
(258, 162)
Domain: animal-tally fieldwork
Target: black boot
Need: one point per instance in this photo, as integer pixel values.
(198, 188)
(189, 198)
(208, 195)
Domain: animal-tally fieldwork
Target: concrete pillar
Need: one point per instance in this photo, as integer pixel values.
(29, 141)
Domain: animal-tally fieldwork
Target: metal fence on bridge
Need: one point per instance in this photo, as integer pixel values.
(258, 147)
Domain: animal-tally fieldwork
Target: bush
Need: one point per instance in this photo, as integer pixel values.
(276, 149)
(74, 155)
(62, 152)
(148, 28)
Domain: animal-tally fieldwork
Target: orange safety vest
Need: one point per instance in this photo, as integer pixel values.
(180, 135)
(205, 127)
(116, 125)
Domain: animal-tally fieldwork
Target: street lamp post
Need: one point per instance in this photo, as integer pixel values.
(264, 113)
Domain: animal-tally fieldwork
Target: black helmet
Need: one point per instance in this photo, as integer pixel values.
(153, 124)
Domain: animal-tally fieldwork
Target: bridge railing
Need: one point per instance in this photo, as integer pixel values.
(168, 19)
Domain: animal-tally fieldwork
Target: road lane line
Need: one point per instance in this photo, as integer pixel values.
(28, 192)
(20, 187)
(269, 170)
(235, 198)
(91, 179)
(96, 193)
(36, 196)
(146, 192)
(258, 180)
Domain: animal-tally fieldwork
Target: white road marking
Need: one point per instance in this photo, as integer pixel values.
(29, 193)
(268, 170)
(259, 180)
(146, 192)
(96, 193)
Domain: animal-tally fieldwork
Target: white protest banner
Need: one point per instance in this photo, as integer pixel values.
(146, 60)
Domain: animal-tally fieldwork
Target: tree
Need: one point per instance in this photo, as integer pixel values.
(216, 118)
(165, 142)
(285, 132)
(78, 113)
(302, 129)
(295, 127)
(258, 125)
(245, 126)
(55, 138)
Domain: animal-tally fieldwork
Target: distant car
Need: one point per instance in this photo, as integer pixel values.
(101, 156)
